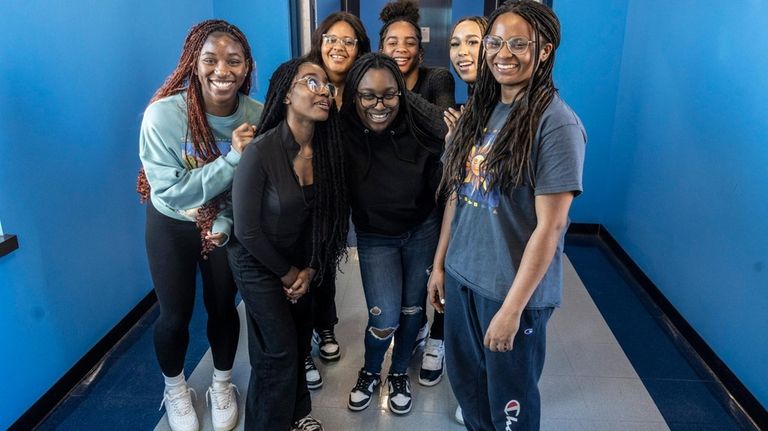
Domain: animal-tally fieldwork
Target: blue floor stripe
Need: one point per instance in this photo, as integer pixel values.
(684, 392)
(126, 393)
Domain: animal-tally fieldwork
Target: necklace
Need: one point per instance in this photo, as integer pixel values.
(309, 157)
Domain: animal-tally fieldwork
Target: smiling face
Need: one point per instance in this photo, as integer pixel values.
(379, 114)
(303, 104)
(465, 48)
(510, 70)
(402, 44)
(338, 58)
(221, 70)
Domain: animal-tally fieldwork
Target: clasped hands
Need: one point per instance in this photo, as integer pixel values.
(296, 283)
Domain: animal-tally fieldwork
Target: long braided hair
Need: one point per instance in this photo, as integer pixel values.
(509, 160)
(330, 218)
(183, 79)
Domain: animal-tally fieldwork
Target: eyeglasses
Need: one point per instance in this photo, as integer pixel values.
(316, 87)
(369, 100)
(346, 42)
(516, 45)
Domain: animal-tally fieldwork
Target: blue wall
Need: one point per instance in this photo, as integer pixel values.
(74, 81)
(687, 169)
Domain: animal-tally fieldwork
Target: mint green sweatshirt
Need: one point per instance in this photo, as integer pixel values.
(180, 181)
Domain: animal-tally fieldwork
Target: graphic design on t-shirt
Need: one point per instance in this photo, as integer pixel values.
(193, 160)
(474, 191)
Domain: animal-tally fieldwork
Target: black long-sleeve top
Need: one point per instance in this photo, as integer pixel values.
(392, 176)
(436, 85)
(272, 211)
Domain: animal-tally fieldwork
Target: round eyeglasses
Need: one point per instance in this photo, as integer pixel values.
(516, 45)
(369, 100)
(316, 87)
(346, 42)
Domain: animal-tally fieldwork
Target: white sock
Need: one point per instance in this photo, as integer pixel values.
(175, 384)
(220, 376)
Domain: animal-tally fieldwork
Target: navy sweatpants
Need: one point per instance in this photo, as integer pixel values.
(496, 390)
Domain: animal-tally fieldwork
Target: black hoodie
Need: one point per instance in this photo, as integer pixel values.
(392, 176)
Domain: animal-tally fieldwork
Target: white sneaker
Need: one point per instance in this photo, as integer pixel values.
(432, 362)
(223, 404)
(181, 412)
(458, 415)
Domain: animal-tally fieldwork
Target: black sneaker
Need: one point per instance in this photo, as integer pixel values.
(399, 393)
(328, 346)
(307, 423)
(360, 396)
(314, 381)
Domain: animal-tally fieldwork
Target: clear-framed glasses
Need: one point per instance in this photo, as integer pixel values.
(316, 87)
(516, 45)
(346, 42)
(369, 100)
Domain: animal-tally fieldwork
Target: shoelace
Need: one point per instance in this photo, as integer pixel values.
(326, 336)
(399, 383)
(181, 403)
(364, 381)
(221, 398)
(308, 423)
(309, 364)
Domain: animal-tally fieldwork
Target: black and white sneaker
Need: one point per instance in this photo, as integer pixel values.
(360, 396)
(307, 423)
(327, 344)
(314, 381)
(399, 393)
(432, 362)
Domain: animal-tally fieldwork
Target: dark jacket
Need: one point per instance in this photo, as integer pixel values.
(392, 176)
(436, 85)
(272, 211)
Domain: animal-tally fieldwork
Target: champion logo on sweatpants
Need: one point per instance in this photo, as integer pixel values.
(512, 411)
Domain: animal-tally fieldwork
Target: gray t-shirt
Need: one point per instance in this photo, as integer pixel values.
(490, 229)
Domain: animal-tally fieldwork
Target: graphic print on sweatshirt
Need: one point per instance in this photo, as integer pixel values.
(193, 160)
(474, 191)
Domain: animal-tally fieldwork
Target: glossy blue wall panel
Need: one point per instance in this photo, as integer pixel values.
(688, 169)
(74, 81)
(266, 24)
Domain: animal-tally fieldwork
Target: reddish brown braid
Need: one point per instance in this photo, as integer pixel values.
(199, 131)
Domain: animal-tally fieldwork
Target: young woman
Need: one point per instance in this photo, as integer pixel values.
(188, 164)
(393, 169)
(336, 43)
(400, 38)
(512, 170)
(291, 217)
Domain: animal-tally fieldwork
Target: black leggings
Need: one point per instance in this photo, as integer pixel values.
(173, 251)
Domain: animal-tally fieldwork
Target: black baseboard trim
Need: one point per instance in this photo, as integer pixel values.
(739, 400)
(35, 415)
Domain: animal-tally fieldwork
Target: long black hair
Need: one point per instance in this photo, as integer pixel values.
(509, 160)
(330, 219)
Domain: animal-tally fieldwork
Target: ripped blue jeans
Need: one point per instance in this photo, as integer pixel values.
(393, 270)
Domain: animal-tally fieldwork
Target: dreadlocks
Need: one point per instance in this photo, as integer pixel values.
(509, 161)
(330, 216)
(199, 131)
